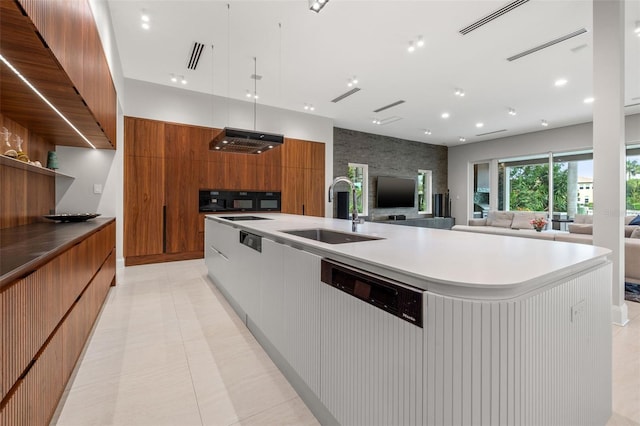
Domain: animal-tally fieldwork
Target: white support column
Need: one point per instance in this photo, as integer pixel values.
(608, 142)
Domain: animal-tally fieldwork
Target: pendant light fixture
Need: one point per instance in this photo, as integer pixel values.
(246, 141)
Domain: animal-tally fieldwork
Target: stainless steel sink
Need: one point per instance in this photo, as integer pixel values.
(330, 237)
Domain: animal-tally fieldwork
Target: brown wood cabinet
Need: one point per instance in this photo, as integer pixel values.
(46, 319)
(144, 194)
(69, 29)
(303, 177)
(166, 164)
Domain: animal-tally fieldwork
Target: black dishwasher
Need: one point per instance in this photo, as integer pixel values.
(400, 300)
(251, 240)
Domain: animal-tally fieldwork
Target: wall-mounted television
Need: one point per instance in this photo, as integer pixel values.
(395, 192)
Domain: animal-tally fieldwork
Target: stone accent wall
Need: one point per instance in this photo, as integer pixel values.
(387, 156)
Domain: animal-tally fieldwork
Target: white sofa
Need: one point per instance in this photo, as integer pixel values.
(517, 224)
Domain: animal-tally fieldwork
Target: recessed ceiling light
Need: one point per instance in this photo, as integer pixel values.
(427, 132)
(255, 96)
(561, 82)
(588, 100)
(174, 79)
(512, 111)
(478, 125)
(144, 18)
(248, 94)
(183, 80)
(352, 81)
(145, 25)
(462, 139)
(459, 92)
(376, 121)
(544, 123)
(420, 42)
(411, 47)
(445, 115)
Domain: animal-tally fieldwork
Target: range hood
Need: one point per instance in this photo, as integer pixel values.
(245, 141)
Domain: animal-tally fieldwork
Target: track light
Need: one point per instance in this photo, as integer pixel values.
(459, 92)
(376, 121)
(420, 42)
(352, 81)
(462, 139)
(174, 79)
(512, 111)
(183, 80)
(317, 5)
(427, 132)
(544, 123)
(411, 47)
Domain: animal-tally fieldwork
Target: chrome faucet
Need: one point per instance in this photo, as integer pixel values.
(354, 211)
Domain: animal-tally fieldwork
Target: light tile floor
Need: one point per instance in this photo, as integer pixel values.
(168, 350)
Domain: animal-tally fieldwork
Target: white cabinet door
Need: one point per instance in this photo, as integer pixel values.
(302, 314)
(271, 316)
(246, 280)
(371, 363)
(221, 242)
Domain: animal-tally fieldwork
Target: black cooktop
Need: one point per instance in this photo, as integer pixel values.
(239, 218)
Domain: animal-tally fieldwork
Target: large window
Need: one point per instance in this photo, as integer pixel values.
(524, 184)
(359, 175)
(573, 183)
(633, 180)
(425, 191)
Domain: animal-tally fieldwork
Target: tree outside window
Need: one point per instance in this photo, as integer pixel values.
(425, 191)
(359, 175)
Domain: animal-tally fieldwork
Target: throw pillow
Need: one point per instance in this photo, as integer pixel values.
(580, 228)
(522, 220)
(583, 218)
(500, 219)
(636, 233)
(635, 221)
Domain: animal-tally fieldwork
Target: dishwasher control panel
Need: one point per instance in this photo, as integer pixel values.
(400, 300)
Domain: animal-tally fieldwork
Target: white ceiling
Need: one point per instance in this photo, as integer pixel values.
(310, 57)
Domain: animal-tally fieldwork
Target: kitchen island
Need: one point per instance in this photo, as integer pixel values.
(422, 326)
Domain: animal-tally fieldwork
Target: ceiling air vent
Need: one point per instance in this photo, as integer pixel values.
(389, 120)
(547, 44)
(346, 94)
(196, 52)
(389, 106)
(498, 13)
(491, 133)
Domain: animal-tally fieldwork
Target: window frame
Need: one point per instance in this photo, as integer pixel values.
(427, 191)
(365, 186)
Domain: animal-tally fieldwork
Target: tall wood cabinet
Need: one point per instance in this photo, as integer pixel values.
(303, 177)
(166, 164)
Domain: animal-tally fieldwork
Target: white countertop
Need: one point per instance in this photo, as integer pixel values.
(459, 264)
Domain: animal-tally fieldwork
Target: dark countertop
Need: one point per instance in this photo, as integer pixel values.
(25, 248)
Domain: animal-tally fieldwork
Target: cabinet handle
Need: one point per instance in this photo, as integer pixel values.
(164, 229)
(218, 252)
(303, 210)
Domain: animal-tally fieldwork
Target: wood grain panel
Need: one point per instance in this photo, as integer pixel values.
(144, 138)
(144, 201)
(43, 333)
(314, 193)
(165, 257)
(293, 190)
(181, 205)
(21, 46)
(188, 142)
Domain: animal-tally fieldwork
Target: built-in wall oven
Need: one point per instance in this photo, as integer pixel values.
(213, 200)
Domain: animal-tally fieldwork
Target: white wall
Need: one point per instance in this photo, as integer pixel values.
(561, 139)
